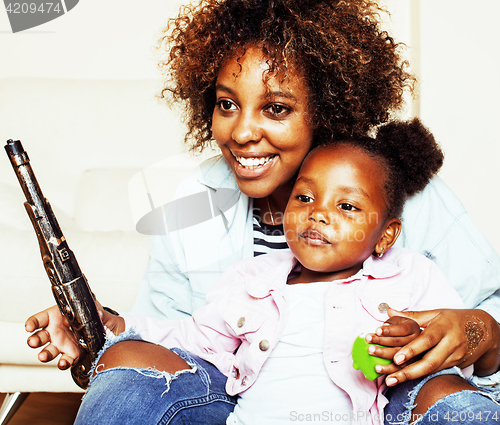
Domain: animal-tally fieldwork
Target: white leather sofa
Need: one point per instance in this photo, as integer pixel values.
(89, 142)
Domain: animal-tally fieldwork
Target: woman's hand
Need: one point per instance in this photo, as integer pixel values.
(450, 337)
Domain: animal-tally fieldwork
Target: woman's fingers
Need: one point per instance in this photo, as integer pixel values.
(427, 365)
(444, 342)
(383, 352)
(443, 354)
(421, 344)
(451, 337)
(387, 369)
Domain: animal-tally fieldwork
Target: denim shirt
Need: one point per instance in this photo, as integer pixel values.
(247, 311)
(185, 263)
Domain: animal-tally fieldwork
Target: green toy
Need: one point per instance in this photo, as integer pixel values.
(362, 360)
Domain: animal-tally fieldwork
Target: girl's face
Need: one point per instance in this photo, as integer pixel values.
(261, 130)
(336, 213)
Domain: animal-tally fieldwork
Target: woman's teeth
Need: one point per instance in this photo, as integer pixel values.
(253, 162)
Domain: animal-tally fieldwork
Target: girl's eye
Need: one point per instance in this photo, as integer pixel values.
(348, 207)
(225, 105)
(278, 110)
(304, 198)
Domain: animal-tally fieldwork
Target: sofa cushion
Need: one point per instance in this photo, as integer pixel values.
(14, 215)
(102, 201)
(113, 263)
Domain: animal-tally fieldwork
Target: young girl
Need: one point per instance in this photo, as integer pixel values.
(267, 81)
(281, 326)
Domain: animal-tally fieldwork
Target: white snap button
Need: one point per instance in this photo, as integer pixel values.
(264, 345)
(383, 307)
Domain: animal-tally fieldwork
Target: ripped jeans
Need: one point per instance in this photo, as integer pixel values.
(133, 396)
(464, 407)
(124, 395)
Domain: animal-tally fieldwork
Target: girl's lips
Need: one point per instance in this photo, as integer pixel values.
(254, 166)
(313, 237)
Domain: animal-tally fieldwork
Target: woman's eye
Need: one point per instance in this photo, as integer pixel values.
(348, 207)
(225, 105)
(304, 198)
(278, 110)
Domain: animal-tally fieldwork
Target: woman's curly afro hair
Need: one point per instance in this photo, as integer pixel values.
(352, 68)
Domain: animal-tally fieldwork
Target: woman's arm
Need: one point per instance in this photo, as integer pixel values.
(185, 262)
(436, 224)
(472, 339)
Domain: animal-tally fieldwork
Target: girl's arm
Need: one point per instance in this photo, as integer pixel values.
(205, 332)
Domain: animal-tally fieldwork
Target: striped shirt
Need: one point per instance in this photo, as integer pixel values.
(267, 237)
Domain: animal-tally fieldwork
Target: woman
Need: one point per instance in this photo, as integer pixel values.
(268, 81)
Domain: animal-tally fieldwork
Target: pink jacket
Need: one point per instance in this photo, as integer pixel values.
(247, 308)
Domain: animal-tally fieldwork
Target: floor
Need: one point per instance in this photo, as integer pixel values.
(47, 409)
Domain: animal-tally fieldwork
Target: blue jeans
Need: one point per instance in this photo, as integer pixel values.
(132, 396)
(465, 407)
(197, 395)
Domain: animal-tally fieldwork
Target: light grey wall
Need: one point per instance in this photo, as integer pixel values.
(454, 47)
(110, 39)
(460, 94)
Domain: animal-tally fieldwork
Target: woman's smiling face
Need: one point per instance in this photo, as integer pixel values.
(261, 126)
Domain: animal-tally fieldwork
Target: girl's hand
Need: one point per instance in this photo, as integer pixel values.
(451, 337)
(50, 326)
(114, 323)
(395, 333)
